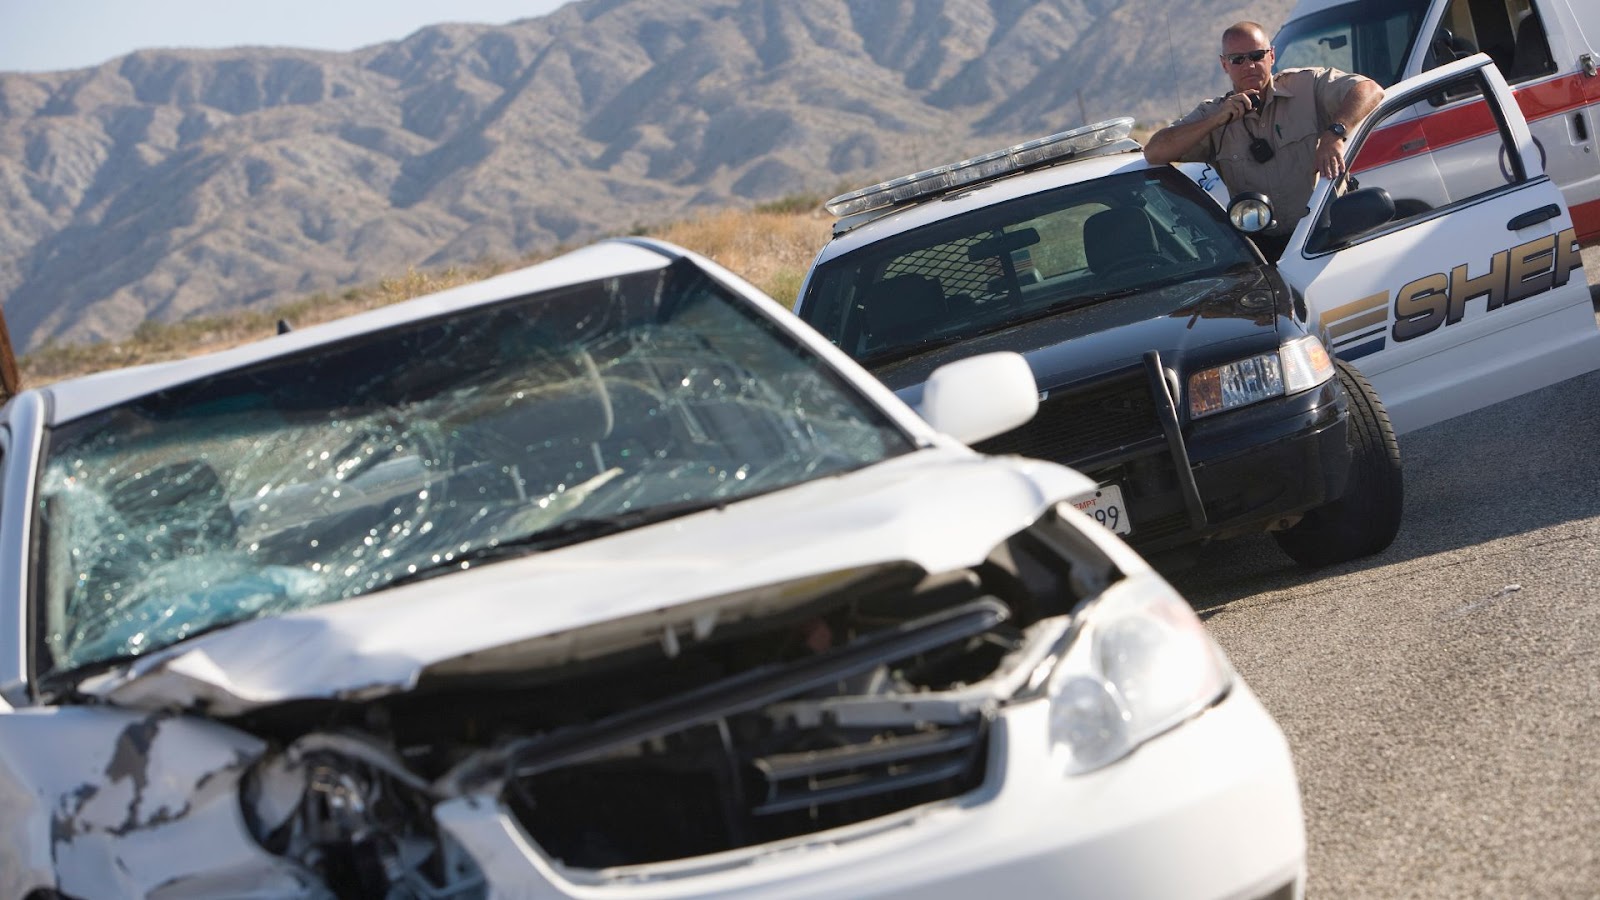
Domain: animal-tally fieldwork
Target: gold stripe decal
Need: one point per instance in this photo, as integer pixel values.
(1365, 304)
(1381, 314)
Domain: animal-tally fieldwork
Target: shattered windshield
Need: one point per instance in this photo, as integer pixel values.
(337, 471)
(1050, 252)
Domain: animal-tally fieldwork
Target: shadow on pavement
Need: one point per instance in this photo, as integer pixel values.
(1518, 466)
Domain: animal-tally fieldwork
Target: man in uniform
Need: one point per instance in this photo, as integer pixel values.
(1271, 134)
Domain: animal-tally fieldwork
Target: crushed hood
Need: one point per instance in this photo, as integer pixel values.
(938, 509)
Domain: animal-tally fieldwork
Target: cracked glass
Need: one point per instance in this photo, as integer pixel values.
(338, 471)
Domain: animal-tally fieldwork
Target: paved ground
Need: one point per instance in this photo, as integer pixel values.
(1442, 698)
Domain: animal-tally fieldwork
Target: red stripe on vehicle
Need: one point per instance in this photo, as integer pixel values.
(1586, 220)
(1436, 131)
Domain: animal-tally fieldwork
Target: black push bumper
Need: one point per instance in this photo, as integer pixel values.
(1234, 473)
(1240, 471)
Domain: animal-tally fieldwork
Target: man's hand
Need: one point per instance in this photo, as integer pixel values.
(1172, 142)
(1362, 98)
(1330, 155)
(1234, 106)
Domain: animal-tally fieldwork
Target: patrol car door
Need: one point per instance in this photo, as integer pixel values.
(1453, 291)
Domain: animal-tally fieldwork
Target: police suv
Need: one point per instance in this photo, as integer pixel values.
(1209, 392)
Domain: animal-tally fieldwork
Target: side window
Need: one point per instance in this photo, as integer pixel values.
(1060, 248)
(1457, 37)
(1330, 46)
(1511, 33)
(1530, 57)
(1422, 181)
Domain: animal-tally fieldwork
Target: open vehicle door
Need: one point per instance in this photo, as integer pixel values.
(1467, 288)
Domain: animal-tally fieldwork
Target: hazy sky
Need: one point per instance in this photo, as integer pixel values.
(46, 35)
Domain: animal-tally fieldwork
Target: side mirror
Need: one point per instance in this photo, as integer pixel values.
(1251, 212)
(1358, 211)
(981, 396)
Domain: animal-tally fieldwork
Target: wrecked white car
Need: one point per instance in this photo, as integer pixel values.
(604, 578)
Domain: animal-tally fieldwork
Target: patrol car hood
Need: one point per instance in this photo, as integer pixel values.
(1198, 322)
(627, 590)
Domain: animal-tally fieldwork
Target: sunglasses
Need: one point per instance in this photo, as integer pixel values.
(1237, 59)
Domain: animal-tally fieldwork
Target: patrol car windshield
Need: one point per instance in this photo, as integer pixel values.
(1045, 254)
(491, 432)
(1370, 37)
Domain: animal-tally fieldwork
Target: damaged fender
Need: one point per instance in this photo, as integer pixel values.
(123, 804)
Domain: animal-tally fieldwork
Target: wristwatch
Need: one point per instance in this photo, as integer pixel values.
(1338, 129)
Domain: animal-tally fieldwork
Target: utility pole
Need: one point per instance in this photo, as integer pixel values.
(1172, 57)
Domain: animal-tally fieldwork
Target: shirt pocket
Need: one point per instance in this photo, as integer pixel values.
(1292, 130)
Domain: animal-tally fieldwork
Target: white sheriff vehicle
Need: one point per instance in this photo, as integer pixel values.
(1545, 48)
(604, 579)
(1208, 392)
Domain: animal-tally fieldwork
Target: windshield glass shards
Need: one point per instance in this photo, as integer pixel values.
(1046, 253)
(336, 471)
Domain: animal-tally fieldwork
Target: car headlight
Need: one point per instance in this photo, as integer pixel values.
(1140, 663)
(1251, 213)
(1298, 365)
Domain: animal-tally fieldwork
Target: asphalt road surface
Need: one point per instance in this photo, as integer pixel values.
(1591, 270)
(1442, 699)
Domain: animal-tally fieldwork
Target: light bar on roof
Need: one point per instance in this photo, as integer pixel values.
(981, 168)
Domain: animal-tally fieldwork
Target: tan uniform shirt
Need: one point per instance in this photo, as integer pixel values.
(1296, 110)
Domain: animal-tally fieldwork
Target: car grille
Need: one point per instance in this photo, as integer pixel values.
(885, 764)
(1081, 426)
(674, 802)
(1110, 430)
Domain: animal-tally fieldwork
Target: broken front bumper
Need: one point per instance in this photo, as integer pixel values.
(1208, 810)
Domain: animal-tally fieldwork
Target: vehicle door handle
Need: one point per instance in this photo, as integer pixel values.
(1533, 217)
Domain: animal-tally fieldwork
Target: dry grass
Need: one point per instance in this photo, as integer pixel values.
(770, 249)
(771, 246)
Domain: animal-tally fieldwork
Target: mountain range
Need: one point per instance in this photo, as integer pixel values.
(171, 183)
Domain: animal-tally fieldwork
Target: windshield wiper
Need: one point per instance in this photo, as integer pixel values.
(1087, 299)
(893, 354)
(561, 534)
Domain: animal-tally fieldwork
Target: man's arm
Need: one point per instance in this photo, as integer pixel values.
(1361, 99)
(1173, 142)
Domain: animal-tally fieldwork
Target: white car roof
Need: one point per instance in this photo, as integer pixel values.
(73, 398)
(1307, 7)
(1010, 187)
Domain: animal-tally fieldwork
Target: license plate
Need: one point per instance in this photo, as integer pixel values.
(1106, 507)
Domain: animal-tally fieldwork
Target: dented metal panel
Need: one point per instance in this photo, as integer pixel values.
(758, 624)
(104, 803)
(368, 647)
